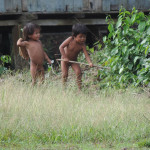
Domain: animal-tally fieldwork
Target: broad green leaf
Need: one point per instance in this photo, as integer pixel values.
(127, 12)
(114, 51)
(130, 66)
(121, 69)
(141, 26)
(92, 50)
(133, 18)
(119, 22)
(110, 27)
(110, 35)
(148, 31)
(144, 41)
(146, 52)
(104, 39)
(128, 20)
(136, 58)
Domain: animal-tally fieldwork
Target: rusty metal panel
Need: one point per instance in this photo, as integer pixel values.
(12, 5)
(2, 6)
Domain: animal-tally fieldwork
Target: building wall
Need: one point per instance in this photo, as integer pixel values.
(63, 6)
(58, 13)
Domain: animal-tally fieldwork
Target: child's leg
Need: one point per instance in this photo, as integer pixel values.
(33, 70)
(64, 68)
(78, 73)
(41, 74)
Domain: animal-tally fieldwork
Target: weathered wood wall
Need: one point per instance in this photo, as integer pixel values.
(59, 13)
(54, 6)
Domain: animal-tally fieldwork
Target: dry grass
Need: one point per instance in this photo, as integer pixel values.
(68, 116)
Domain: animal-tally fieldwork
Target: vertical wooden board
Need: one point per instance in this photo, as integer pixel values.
(147, 4)
(124, 4)
(68, 5)
(2, 6)
(13, 5)
(140, 4)
(106, 5)
(24, 5)
(85, 4)
(77, 5)
(58, 5)
(50, 5)
(131, 4)
(96, 5)
(114, 5)
(32, 5)
(45, 5)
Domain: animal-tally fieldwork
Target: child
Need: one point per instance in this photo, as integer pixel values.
(70, 49)
(31, 42)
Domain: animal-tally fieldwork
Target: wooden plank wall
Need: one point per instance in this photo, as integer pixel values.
(2, 6)
(54, 6)
(129, 4)
(13, 5)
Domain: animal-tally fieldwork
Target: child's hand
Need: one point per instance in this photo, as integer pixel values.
(66, 59)
(50, 62)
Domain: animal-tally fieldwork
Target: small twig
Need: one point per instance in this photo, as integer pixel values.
(83, 64)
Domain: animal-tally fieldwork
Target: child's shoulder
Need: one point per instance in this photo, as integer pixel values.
(70, 38)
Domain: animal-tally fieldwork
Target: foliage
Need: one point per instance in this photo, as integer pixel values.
(126, 50)
(5, 59)
(144, 143)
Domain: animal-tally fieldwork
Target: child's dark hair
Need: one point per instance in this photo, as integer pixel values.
(29, 29)
(79, 29)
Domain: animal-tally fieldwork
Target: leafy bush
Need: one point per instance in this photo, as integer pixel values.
(126, 50)
(4, 59)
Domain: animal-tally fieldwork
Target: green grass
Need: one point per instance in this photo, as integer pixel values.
(49, 117)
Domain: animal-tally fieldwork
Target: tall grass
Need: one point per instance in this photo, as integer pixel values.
(48, 114)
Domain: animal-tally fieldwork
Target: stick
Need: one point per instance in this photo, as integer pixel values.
(83, 64)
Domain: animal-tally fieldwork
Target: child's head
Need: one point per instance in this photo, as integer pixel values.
(79, 29)
(29, 29)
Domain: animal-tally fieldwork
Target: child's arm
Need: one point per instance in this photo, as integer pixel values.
(87, 56)
(20, 42)
(47, 58)
(62, 46)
